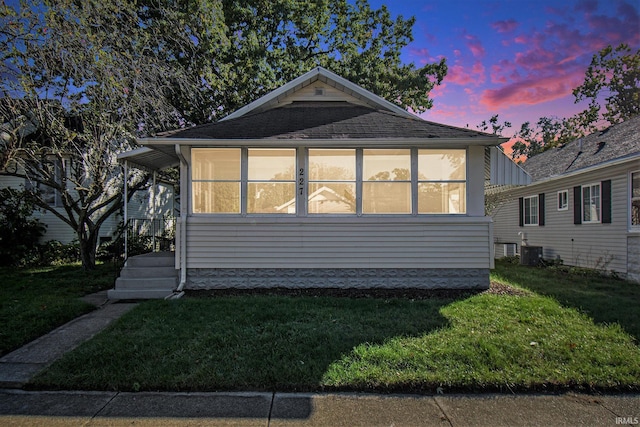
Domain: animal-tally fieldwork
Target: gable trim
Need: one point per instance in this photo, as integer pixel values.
(319, 73)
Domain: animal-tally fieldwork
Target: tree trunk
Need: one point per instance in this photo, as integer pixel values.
(88, 247)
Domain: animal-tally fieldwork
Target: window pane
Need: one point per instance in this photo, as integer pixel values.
(332, 165)
(441, 165)
(591, 203)
(386, 197)
(216, 163)
(332, 198)
(272, 164)
(216, 197)
(386, 165)
(635, 198)
(271, 197)
(441, 198)
(635, 185)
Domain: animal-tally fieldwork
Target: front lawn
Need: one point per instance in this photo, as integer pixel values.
(34, 301)
(492, 341)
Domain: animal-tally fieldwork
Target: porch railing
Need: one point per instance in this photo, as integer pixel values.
(144, 235)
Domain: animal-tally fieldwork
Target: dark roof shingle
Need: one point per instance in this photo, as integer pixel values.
(324, 120)
(615, 142)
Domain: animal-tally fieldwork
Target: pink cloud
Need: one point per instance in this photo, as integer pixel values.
(531, 91)
(463, 76)
(475, 46)
(521, 39)
(505, 26)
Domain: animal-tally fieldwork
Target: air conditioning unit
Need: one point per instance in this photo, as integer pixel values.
(530, 255)
(510, 249)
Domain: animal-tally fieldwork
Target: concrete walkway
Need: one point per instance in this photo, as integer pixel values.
(19, 366)
(20, 408)
(73, 408)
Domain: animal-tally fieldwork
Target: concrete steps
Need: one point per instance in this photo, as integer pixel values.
(148, 276)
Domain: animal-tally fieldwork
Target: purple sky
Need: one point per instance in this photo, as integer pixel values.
(518, 58)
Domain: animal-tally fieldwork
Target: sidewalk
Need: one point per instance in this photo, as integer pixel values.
(19, 366)
(20, 408)
(72, 408)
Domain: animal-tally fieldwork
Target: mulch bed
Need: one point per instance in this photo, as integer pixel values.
(403, 293)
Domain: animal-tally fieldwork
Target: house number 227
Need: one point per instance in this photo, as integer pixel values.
(301, 181)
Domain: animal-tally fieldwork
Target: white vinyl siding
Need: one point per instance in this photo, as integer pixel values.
(576, 244)
(345, 242)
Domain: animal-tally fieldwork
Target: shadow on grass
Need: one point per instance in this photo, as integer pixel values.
(606, 300)
(254, 342)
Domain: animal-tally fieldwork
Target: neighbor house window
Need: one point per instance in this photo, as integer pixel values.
(563, 200)
(591, 203)
(442, 181)
(531, 210)
(635, 199)
(386, 181)
(271, 180)
(51, 170)
(216, 180)
(332, 181)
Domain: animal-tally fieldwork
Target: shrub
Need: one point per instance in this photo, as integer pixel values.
(19, 231)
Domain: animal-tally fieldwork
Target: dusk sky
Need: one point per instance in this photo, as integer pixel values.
(518, 58)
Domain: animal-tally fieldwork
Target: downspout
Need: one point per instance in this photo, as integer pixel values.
(184, 206)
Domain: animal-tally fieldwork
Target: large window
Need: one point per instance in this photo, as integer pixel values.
(332, 182)
(591, 203)
(386, 182)
(271, 180)
(441, 181)
(531, 210)
(216, 180)
(635, 199)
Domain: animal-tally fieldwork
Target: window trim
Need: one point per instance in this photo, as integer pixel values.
(564, 194)
(582, 199)
(301, 167)
(524, 210)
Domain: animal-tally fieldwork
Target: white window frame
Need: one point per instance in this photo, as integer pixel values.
(632, 227)
(582, 199)
(302, 186)
(536, 211)
(563, 200)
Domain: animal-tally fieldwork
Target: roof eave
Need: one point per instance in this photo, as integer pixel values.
(329, 142)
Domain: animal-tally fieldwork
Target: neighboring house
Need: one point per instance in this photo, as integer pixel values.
(321, 183)
(140, 205)
(584, 203)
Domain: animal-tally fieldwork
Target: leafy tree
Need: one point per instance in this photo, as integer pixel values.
(82, 79)
(79, 81)
(496, 127)
(19, 231)
(548, 132)
(614, 73)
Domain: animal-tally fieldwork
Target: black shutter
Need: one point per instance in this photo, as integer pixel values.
(541, 209)
(521, 211)
(577, 205)
(605, 187)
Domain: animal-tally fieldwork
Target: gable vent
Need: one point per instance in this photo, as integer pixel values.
(319, 91)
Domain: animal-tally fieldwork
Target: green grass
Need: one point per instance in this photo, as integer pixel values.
(34, 301)
(482, 342)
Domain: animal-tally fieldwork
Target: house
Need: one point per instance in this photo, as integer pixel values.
(583, 205)
(156, 201)
(321, 183)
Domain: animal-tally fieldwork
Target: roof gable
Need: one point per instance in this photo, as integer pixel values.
(616, 142)
(353, 93)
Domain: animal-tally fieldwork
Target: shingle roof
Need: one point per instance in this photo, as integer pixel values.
(324, 120)
(615, 142)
